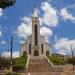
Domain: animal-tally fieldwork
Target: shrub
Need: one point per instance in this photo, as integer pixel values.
(11, 73)
(71, 61)
(57, 61)
(21, 61)
(19, 64)
(18, 68)
(4, 63)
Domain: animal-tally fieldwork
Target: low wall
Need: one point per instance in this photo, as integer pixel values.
(58, 68)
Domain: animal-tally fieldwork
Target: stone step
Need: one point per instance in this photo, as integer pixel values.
(39, 65)
(32, 71)
(43, 73)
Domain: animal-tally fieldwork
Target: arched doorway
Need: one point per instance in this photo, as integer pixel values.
(36, 53)
(24, 53)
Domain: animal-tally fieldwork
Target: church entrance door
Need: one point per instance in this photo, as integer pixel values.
(36, 53)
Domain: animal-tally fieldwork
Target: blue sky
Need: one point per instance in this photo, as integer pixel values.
(59, 23)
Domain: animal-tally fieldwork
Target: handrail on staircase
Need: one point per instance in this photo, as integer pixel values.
(49, 61)
(27, 62)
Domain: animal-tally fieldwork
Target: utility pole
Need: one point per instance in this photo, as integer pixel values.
(72, 51)
(72, 57)
(0, 55)
(11, 43)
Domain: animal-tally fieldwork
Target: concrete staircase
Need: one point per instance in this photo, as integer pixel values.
(38, 64)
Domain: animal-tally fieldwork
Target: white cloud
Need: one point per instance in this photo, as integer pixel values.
(40, 21)
(16, 54)
(7, 54)
(22, 41)
(50, 17)
(1, 12)
(46, 39)
(66, 15)
(45, 31)
(63, 45)
(27, 20)
(62, 52)
(0, 33)
(25, 29)
(3, 42)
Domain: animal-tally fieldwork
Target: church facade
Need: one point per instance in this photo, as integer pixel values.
(35, 45)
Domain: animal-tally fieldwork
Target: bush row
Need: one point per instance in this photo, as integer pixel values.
(57, 60)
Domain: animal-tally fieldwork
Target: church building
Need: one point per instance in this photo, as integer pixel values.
(35, 45)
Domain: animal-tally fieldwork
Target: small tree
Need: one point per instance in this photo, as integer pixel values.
(4, 63)
(6, 3)
(71, 61)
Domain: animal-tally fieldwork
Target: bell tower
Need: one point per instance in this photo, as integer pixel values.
(35, 32)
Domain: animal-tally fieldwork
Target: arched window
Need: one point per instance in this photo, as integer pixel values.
(42, 48)
(29, 48)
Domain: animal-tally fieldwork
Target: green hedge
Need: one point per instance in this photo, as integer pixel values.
(19, 63)
(57, 60)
